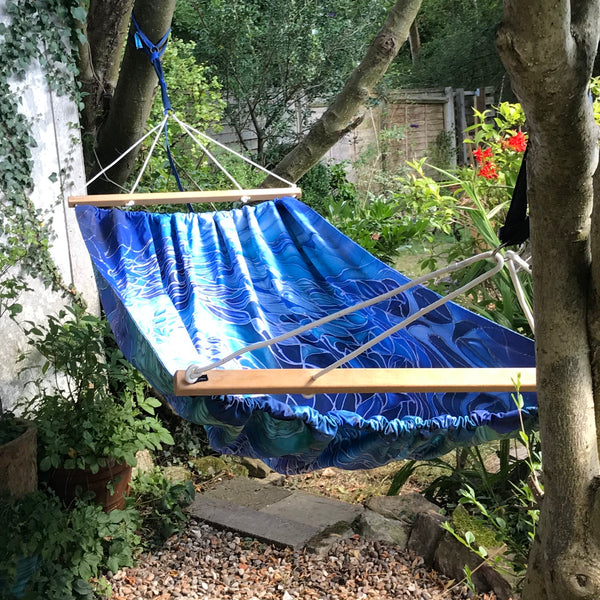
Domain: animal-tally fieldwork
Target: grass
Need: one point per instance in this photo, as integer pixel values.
(409, 257)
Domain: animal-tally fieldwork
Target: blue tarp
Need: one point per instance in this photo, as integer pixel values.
(182, 288)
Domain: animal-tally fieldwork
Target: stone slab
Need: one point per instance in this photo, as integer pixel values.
(404, 507)
(248, 522)
(374, 526)
(246, 492)
(315, 511)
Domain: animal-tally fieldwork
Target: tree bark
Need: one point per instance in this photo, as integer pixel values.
(341, 116)
(132, 101)
(99, 62)
(548, 48)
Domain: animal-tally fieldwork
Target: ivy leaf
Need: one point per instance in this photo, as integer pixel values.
(79, 13)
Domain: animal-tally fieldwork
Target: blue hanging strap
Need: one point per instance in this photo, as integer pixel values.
(155, 52)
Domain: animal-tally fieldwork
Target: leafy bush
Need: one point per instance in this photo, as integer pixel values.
(501, 501)
(96, 412)
(72, 547)
(475, 199)
(196, 95)
(160, 503)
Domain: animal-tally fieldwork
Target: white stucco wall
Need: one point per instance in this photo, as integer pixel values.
(55, 129)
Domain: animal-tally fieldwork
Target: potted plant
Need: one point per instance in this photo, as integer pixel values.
(18, 466)
(90, 409)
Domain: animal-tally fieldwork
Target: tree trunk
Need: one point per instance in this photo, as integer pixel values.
(548, 48)
(99, 62)
(132, 101)
(341, 116)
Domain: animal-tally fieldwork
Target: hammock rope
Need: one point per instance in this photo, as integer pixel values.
(154, 52)
(194, 372)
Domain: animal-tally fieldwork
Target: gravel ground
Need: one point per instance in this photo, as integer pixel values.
(218, 565)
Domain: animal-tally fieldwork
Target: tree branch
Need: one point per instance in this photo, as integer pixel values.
(99, 60)
(333, 125)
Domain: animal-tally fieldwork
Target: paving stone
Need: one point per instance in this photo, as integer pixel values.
(248, 522)
(315, 511)
(248, 492)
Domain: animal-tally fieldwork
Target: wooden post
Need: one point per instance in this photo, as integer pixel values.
(480, 103)
(461, 119)
(450, 123)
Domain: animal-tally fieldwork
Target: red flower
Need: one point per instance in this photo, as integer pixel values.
(481, 155)
(517, 142)
(488, 170)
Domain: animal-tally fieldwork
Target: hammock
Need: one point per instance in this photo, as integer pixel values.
(191, 288)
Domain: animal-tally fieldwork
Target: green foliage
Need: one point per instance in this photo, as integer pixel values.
(75, 547)
(411, 209)
(473, 201)
(39, 31)
(97, 411)
(160, 503)
(374, 223)
(275, 57)
(72, 547)
(457, 47)
(11, 427)
(492, 507)
(190, 439)
(193, 92)
(196, 96)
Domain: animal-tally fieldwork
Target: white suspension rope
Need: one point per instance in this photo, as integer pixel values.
(244, 158)
(195, 371)
(121, 156)
(188, 130)
(465, 288)
(511, 259)
(146, 161)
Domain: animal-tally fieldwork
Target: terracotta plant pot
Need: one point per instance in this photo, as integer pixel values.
(68, 482)
(18, 464)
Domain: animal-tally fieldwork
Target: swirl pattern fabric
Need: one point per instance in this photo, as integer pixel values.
(182, 288)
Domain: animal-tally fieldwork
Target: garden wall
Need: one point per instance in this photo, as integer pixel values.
(54, 126)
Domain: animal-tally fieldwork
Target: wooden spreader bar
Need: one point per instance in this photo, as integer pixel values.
(150, 199)
(298, 381)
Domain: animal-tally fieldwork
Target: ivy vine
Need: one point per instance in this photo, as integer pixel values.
(41, 31)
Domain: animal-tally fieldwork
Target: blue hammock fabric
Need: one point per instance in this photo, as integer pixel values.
(181, 288)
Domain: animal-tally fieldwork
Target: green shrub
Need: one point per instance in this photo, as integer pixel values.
(96, 410)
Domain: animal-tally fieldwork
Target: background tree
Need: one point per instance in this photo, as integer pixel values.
(456, 48)
(344, 112)
(275, 58)
(316, 48)
(549, 47)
